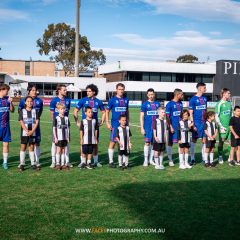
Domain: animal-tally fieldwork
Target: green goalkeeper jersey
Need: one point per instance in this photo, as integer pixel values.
(224, 111)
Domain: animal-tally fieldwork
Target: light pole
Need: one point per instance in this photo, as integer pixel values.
(78, 3)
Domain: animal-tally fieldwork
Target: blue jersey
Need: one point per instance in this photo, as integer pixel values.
(4, 112)
(150, 113)
(173, 111)
(37, 104)
(94, 103)
(66, 101)
(119, 106)
(199, 107)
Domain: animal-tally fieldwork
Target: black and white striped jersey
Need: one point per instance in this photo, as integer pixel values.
(210, 127)
(124, 134)
(161, 130)
(61, 125)
(89, 127)
(184, 132)
(29, 119)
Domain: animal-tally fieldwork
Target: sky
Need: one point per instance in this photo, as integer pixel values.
(152, 30)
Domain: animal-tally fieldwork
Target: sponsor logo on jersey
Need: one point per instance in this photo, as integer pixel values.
(200, 107)
(227, 112)
(152, 113)
(4, 109)
(120, 109)
(176, 113)
(94, 110)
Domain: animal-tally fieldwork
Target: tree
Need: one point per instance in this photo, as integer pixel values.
(58, 41)
(188, 58)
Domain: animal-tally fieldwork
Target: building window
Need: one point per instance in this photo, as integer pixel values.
(134, 76)
(27, 68)
(154, 77)
(207, 78)
(166, 77)
(145, 76)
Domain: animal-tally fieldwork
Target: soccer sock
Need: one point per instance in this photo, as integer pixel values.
(192, 150)
(22, 157)
(186, 158)
(156, 159)
(37, 153)
(203, 151)
(211, 157)
(110, 155)
(229, 150)
(83, 160)
(125, 160)
(53, 153)
(151, 153)
(161, 159)
(146, 152)
(89, 161)
(57, 159)
(120, 160)
(67, 154)
(62, 159)
(5, 157)
(32, 157)
(220, 151)
(95, 159)
(206, 158)
(169, 152)
(181, 159)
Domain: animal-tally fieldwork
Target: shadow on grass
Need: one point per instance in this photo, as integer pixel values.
(187, 210)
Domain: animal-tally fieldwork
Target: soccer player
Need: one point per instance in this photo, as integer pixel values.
(211, 134)
(61, 134)
(29, 120)
(124, 143)
(119, 106)
(148, 115)
(88, 137)
(38, 105)
(223, 113)
(173, 111)
(95, 104)
(235, 136)
(6, 106)
(197, 110)
(61, 92)
(184, 128)
(160, 138)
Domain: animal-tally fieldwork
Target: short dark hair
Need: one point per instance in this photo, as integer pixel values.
(58, 88)
(122, 116)
(4, 86)
(200, 84)
(209, 114)
(120, 85)
(177, 91)
(150, 90)
(236, 107)
(183, 112)
(224, 90)
(86, 108)
(30, 87)
(93, 88)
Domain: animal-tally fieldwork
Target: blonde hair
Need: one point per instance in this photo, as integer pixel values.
(60, 105)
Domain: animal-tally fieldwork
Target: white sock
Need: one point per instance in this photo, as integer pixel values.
(32, 158)
(5, 157)
(89, 161)
(161, 159)
(211, 157)
(156, 159)
(151, 154)
(63, 159)
(125, 160)
(169, 152)
(95, 159)
(57, 159)
(146, 152)
(186, 158)
(120, 160)
(206, 158)
(110, 155)
(22, 157)
(83, 160)
(54, 148)
(181, 159)
(203, 151)
(37, 153)
(67, 154)
(192, 150)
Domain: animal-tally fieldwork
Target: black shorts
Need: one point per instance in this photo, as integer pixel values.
(184, 145)
(159, 147)
(88, 148)
(123, 152)
(62, 143)
(28, 140)
(235, 142)
(210, 143)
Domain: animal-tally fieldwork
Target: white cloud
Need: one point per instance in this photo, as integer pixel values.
(11, 14)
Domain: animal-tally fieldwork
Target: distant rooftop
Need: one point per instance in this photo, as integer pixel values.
(28, 60)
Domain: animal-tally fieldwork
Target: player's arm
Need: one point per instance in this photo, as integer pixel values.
(129, 140)
(233, 132)
(30, 133)
(142, 122)
(179, 133)
(75, 115)
(118, 138)
(107, 119)
(11, 107)
(128, 114)
(206, 132)
(20, 119)
(102, 109)
(55, 130)
(169, 123)
(21, 105)
(41, 109)
(155, 132)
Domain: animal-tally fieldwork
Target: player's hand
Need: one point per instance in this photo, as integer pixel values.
(30, 133)
(191, 125)
(223, 129)
(68, 140)
(157, 140)
(180, 142)
(171, 129)
(96, 140)
(10, 99)
(56, 140)
(81, 142)
(130, 145)
(143, 131)
(236, 136)
(120, 144)
(100, 123)
(109, 126)
(78, 124)
(195, 129)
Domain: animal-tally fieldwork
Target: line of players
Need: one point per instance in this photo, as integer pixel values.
(157, 131)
